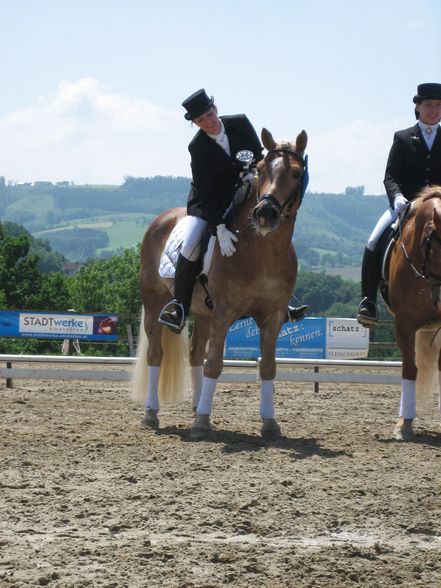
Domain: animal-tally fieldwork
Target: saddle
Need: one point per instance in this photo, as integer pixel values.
(173, 246)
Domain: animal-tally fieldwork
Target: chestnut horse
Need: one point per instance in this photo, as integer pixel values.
(414, 298)
(256, 281)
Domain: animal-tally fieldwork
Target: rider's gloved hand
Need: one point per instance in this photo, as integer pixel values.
(400, 204)
(226, 239)
(246, 177)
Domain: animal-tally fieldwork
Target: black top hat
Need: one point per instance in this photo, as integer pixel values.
(197, 104)
(427, 92)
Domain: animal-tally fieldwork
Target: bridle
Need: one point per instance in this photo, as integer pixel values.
(283, 209)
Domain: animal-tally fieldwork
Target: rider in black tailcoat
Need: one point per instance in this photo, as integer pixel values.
(414, 162)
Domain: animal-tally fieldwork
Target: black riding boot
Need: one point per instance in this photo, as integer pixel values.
(295, 313)
(174, 313)
(370, 278)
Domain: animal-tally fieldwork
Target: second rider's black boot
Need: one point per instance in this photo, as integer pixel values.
(370, 278)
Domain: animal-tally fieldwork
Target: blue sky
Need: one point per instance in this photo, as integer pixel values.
(91, 89)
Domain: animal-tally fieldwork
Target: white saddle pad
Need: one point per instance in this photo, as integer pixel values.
(173, 247)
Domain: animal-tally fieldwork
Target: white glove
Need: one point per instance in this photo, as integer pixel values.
(226, 238)
(400, 204)
(246, 177)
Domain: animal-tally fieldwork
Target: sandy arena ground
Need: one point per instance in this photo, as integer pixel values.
(89, 499)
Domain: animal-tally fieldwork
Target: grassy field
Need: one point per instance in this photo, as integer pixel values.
(124, 234)
(123, 230)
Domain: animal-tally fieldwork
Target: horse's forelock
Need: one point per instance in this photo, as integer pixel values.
(285, 144)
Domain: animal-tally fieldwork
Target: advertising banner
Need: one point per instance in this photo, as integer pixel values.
(304, 339)
(58, 325)
(346, 339)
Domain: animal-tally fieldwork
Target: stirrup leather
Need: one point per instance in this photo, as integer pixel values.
(174, 307)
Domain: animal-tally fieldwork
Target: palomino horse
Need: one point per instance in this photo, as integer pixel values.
(414, 298)
(256, 281)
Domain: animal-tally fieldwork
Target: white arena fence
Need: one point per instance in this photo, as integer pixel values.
(61, 367)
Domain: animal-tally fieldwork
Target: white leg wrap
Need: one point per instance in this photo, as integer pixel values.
(152, 400)
(197, 378)
(206, 401)
(267, 399)
(408, 400)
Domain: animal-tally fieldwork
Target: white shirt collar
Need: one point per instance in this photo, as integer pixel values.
(423, 127)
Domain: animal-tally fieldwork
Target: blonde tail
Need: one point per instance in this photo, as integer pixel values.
(174, 377)
(139, 372)
(427, 349)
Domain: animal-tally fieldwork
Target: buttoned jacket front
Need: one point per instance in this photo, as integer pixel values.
(411, 166)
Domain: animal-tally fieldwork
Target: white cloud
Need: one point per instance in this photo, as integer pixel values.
(88, 135)
(354, 155)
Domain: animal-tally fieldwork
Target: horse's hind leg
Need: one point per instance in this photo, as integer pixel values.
(405, 336)
(197, 351)
(154, 357)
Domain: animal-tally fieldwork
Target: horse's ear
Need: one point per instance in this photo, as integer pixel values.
(267, 139)
(301, 142)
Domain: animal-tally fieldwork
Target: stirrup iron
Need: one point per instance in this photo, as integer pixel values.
(169, 308)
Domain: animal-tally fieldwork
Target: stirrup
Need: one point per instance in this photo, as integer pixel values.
(369, 317)
(296, 313)
(173, 316)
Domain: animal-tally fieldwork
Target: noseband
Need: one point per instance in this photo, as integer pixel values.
(283, 209)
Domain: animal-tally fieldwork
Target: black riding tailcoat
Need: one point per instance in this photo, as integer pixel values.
(411, 166)
(215, 172)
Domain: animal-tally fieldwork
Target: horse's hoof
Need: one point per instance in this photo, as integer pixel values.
(150, 420)
(403, 431)
(270, 430)
(201, 428)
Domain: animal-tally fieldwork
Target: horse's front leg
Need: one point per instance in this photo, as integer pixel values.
(201, 428)
(405, 336)
(268, 337)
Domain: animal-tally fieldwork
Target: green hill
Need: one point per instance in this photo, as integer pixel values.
(88, 221)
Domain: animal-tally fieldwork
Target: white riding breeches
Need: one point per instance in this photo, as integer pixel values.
(388, 217)
(194, 231)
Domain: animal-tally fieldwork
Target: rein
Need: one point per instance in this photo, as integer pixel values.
(283, 209)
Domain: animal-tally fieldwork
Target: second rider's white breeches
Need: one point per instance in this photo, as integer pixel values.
(388, 217)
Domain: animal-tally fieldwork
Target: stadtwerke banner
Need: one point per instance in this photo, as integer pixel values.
(58, 325)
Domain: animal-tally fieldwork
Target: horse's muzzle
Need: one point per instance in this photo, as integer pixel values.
(266, 215)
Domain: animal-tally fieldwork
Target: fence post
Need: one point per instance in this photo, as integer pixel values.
(130, 340)
(9, 382)
(316, 384)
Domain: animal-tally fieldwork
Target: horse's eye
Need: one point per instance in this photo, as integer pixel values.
(297, 175)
